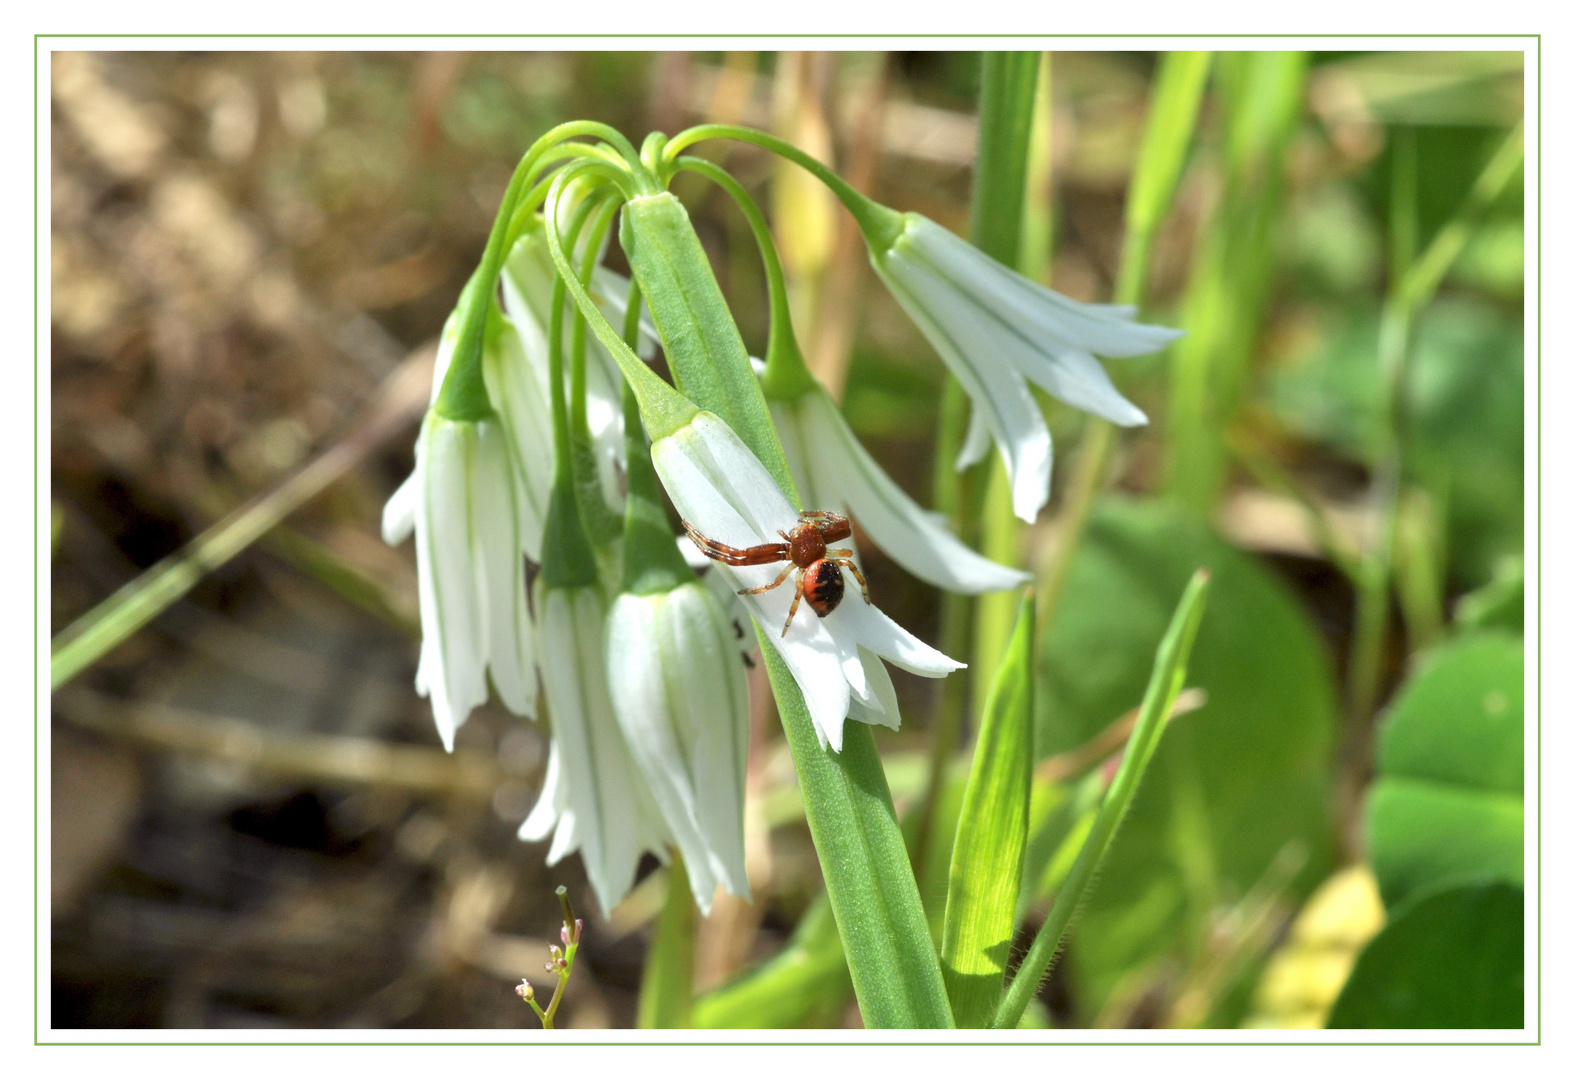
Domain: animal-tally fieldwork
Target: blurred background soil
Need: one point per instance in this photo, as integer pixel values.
(253, 823)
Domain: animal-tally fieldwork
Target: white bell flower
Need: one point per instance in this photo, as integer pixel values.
(679, 693)
(463, 504)
(833, 471)
(997, 331)
(723, 491)
(594, 799)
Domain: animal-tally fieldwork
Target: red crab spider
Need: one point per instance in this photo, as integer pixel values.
(817, 569)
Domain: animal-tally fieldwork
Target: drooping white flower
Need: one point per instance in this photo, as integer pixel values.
(833, 471)
(463, 504)
(722, 489)
(594, 799)
(997, 331)
(679, 694)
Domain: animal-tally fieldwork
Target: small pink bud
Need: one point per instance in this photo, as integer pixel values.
(525, 989)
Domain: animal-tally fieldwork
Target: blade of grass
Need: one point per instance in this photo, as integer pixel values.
(1233, 269)
(1170, 670)
(1167, 139)
(987, 856)
(398, 403)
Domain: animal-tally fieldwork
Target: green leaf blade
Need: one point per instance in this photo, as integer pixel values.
(992, 833)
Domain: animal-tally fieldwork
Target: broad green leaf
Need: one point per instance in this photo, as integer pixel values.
(667, 983)
(1245, 774)
(1170, 670)
(987, 855)
(804, 985)
(1447, 804)
(1451, 959)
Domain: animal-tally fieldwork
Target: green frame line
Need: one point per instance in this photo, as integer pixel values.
(41, 38)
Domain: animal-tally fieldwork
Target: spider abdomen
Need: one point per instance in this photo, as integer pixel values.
(823, 586)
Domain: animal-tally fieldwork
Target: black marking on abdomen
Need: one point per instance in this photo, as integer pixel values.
(823, 587)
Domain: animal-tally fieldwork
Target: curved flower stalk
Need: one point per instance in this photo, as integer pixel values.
(527, 303)
(997, 331)
(720, 486)
(594, 799)
(679, 694)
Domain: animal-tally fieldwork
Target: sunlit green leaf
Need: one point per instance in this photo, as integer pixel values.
(1447, 805)
(987, 857)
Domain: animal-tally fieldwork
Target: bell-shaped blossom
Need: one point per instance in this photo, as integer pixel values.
(594, 799)
(833, 471)
(463, 504)
(721, 488)
(998, 331)
(678, 690)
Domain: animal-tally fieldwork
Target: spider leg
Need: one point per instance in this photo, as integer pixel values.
(847, 563)
(786, 570)
(732, 556)
(798, 594)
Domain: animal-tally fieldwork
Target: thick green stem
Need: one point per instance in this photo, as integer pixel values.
(847, 803)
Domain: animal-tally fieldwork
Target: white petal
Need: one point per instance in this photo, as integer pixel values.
(883, 710)
(399, 513)
(551, 801)
(999, 391)
(875, 630)
(897, 524)
(510, 648)
(515, 373)
(719, 486)
(453, 638)
(976, 444)
(615, 817)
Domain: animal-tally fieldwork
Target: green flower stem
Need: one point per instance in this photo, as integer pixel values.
(787, 376)
(663, 410)
(651, 559)
(1167, 139)
(1170, 671)
(463, 395)
(1000, 182)
(847, 803)
(667, 982)
(880, 224)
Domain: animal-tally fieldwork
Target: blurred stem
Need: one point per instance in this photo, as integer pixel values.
(1412, 287)
(1006, 111)
(1167, 138)
(1233, 270)
(667, 983)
